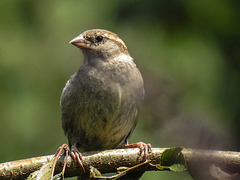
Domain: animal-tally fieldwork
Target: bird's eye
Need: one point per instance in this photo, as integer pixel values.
(99, 38)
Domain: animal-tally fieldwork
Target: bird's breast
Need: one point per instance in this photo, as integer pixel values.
(105, 106)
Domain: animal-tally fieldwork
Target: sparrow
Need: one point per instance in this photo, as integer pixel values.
(101, 101)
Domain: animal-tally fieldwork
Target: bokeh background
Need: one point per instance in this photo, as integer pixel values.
(188, 53)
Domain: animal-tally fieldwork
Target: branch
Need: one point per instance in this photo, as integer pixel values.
(198, 163)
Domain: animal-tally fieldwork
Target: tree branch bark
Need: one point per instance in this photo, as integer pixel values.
(200, 163)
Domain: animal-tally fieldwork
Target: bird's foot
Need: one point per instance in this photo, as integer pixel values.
(57, 155)
(74, 153)
(143, 147)
(77, 156)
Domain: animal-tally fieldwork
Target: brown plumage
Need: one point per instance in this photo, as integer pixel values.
(101, 101)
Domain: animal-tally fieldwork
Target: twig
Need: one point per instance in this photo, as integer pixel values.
(123, 172)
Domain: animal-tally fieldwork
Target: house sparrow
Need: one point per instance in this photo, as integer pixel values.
(101, 101)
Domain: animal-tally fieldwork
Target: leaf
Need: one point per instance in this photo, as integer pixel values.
(177, 168)
(172, 156)
(173, 160)
(94, 173)
(33, 175)
(45, 172)
(174, 168)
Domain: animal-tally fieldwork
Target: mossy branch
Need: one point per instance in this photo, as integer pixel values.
(200, 163)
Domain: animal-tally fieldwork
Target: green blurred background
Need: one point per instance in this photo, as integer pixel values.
(188, 53)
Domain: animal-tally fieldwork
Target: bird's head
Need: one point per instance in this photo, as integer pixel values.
(100, 44)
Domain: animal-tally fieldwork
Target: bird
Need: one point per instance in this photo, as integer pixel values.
(101, 101)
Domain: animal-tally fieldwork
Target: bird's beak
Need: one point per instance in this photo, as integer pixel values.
(80, 42)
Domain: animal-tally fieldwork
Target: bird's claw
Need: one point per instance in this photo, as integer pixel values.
(77, 156)
(57, 155)
(74, 153)
(143, 148)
